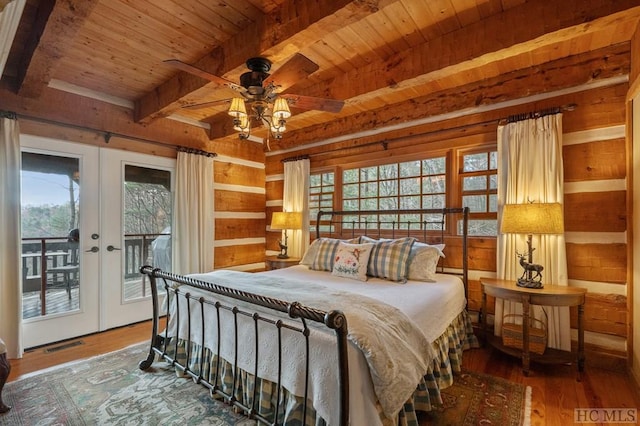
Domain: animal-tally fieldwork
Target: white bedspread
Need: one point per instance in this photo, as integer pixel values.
(431, 306)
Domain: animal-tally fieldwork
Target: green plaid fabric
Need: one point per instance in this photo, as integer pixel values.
(388, 259)
(449, 347)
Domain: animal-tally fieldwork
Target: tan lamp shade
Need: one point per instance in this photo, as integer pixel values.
(286, 220)
(237, 108)
(532, 218)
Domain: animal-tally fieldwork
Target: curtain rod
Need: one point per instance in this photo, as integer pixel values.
(540, 113)
(196, 151)
(296, 158)
(385, 143)
(107, 135)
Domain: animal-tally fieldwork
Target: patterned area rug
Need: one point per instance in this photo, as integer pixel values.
(112, 390)
(479, 399)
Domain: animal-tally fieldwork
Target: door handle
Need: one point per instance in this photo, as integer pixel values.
(93, 249)
(112, 248)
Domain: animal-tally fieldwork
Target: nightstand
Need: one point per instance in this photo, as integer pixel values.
(274, 262)
(550, 295)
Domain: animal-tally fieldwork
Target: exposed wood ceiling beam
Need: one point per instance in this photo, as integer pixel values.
(553, 76)
(480, 47)
(277, 36)
(57, 23)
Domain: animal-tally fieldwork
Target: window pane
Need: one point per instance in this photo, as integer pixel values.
(369, 204)
(315, 190)
(314, 180)
(410, 168)
(480, 227)
(433, 166)
(388, 187)
(369, 189)
(327, 179)
(475, 162)
(433, 201)
(350, 205)
(476, 203)
(412, 202)
(368, 174)
(474, 183)
(350, 191)
(433, 184)
(493, 181)
(388, 203)
(493, 203)
(410, 186)
(351, 175)
(389, 171)
(493, 163)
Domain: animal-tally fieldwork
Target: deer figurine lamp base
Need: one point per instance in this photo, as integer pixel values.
(532, 275)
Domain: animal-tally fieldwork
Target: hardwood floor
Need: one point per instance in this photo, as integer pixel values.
(555, 390)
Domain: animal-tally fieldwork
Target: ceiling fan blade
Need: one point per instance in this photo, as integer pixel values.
(295, 69)
(204, 74)
(310, 102)
(207, 104)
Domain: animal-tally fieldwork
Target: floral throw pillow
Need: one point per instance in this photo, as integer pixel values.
(351, 260)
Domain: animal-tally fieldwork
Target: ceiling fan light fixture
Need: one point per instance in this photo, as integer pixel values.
(242, 125)
(281, 109)
(237, 109)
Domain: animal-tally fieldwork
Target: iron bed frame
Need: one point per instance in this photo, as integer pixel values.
(298, 314)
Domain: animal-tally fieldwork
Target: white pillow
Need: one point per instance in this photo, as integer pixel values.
(351, 260)
(311, 252)
(423, 261)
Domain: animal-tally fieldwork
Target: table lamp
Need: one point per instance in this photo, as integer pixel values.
(285, 221)
(529, 219)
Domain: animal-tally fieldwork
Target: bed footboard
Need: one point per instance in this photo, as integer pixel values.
(240, 305)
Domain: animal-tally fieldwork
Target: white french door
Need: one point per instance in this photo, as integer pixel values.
(51, 160)
(106, 188)
(136, 190)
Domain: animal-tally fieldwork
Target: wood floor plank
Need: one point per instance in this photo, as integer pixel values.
(555, 390)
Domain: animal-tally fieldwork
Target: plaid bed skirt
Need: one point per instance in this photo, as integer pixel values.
(449, 348)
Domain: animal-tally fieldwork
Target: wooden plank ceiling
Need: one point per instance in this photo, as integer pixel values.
(379, 56)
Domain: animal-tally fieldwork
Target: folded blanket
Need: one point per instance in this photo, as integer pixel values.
(397, 352)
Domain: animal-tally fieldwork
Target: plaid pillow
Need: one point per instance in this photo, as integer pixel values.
(388, 259)
(326, 251)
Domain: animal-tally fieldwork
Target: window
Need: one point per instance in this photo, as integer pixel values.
(479, 189)
(321, 190)
(428, 183)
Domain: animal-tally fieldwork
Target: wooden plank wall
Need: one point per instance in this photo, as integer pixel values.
(595, 168)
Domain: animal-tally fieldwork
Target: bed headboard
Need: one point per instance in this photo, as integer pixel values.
(427, 225)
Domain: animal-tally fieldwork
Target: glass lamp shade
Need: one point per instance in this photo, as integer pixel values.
(281, 110)
(237, 108)
(286, 220)
(278, 126)
(532, 218)
(242, 124)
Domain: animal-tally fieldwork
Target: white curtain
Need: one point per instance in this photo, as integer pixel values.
(10, 243)
(296, 199)
(530, 169)
(194, 214)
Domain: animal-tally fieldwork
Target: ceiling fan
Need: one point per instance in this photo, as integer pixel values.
(263, 92)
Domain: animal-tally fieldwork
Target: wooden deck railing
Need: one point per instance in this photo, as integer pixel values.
(40, 254)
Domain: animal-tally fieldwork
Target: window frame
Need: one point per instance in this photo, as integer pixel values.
(454, 157)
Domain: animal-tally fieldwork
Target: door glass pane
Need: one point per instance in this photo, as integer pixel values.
(50, 201)
(147, 226)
